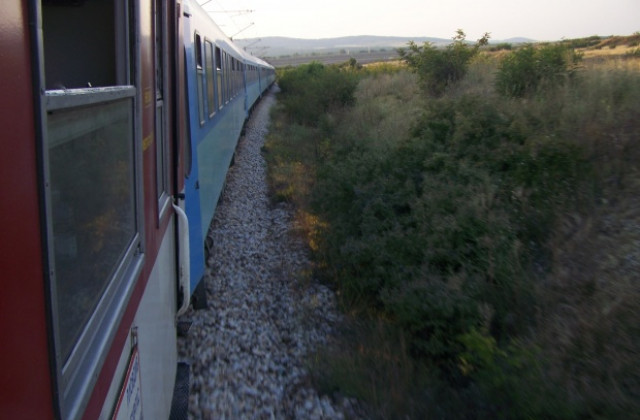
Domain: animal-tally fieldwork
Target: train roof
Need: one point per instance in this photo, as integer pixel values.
(221, 39)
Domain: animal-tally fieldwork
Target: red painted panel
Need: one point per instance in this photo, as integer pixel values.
(25, 381)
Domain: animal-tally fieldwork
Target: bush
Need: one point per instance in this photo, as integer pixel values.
(311, 90)
(440, 68)
(503, 46)
(492, 237)
(523, 71)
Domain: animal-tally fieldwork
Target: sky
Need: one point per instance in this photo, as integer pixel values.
(541, 20)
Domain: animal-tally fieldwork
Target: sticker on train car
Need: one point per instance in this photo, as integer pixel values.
(130, 401)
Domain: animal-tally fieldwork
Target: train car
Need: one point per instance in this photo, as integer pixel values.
(260, 75)
(223, 84)
(99, 156)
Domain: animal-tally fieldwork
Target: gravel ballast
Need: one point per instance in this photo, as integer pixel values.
(248, 350)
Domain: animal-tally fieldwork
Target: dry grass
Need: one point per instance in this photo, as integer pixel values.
(589, 318)
(589, 324)
(608, 52)
(370, 361)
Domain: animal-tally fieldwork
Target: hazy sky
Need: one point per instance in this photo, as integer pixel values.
(536, 19)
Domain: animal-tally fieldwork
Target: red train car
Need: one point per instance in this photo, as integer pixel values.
(92, 120)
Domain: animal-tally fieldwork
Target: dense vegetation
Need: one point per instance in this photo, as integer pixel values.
(479, 217)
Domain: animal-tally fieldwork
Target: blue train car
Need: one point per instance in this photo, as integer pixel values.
(223, 84)
(259, 76)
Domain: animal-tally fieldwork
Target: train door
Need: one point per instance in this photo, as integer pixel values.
(194, 86)
(181, 152)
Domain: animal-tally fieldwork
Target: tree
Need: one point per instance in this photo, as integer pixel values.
(438, 68)
(530, 68)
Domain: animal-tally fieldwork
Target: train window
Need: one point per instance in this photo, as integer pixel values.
(186, 143)
(232, 76)
(198, 50)
(227, 77)
(208, 55)
(223, 67)
(161, 139)
(238, 74)
(232, 82)
(73, 61)
(236, 78)
(199, 76)
(219, 76)
(91, 155)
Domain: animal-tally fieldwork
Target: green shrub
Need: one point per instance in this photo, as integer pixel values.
(310, 90)
(510, 380)
(439, 68)
(502, 46)
(523, 71)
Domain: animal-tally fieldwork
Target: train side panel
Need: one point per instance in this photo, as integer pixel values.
(218, 145)
(25, 380)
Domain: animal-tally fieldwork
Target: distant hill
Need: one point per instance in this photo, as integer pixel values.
(279, 46)
(516, 40)
(275, 46)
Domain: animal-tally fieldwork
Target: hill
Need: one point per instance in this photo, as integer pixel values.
(281, 46)
(282, 51)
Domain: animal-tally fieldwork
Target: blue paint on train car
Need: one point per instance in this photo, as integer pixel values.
(192, 181)
(216, 147)
(238, 81)
(253, 92)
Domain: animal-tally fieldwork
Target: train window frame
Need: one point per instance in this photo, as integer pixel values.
(197, 46)
(69, 115)
(210, 76)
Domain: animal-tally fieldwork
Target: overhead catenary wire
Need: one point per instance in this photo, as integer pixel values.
(220, 9)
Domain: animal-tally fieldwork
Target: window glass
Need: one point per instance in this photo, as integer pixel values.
(162, 176)
(229, 77)
(92, 204)
(186, 143)
(78, 61)
(208, 50)
(159, 50)
(162, 148)
(234, 65)
(199, 76)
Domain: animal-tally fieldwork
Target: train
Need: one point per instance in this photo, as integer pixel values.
(119, 123)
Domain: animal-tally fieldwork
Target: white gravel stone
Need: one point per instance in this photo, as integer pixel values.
(248, 349)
